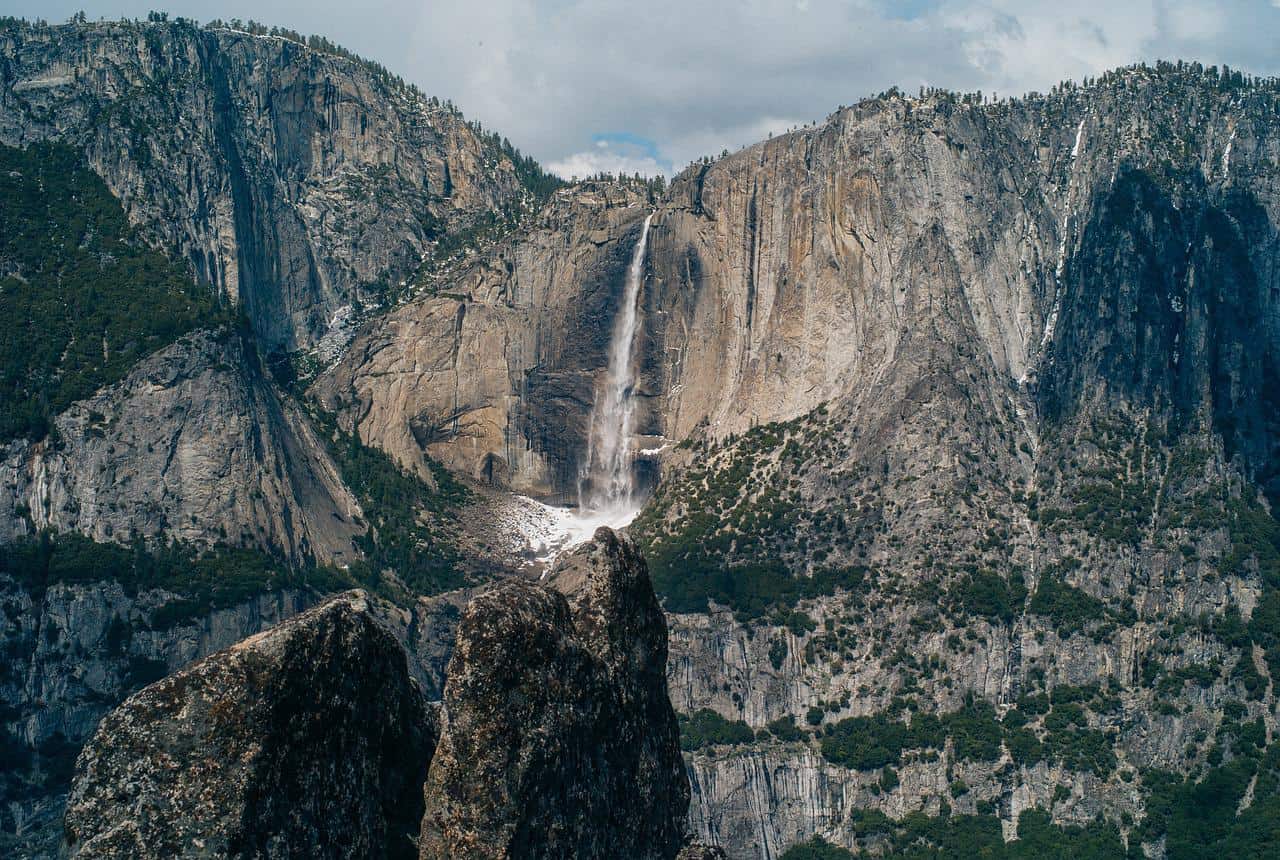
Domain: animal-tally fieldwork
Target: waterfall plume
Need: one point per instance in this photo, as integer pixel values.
(607, 486)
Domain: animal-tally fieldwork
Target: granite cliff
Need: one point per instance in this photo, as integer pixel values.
(196, 444)
(492, 372)
(299, 182)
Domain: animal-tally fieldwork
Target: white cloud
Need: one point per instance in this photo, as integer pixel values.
(711, 139)
(693, 77)
(589, 163)
(697, 78)
(1019, 47)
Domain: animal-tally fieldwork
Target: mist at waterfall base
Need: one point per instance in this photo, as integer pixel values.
(607, 492)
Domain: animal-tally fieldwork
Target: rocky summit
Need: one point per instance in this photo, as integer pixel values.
(949, 428)
(558, 737)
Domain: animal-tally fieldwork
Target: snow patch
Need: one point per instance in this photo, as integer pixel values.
(1075, 150)
(1051, 323)
(337, 335)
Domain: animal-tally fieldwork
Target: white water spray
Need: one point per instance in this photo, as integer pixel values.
(607, 492)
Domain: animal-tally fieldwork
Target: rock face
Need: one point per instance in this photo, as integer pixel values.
(311, 738)
(196, 444)
(558, 738)
(493, 376)
(1029, 346)
(827, 264)
(297, 182)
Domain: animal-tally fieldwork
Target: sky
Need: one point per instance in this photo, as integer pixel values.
(650, 85)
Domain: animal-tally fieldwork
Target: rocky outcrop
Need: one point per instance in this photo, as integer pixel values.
(195, 444)
(494, 374)
(558, 738)
(299, 183)
(309, 738)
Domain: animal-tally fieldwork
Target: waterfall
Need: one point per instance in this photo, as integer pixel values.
(607, 487)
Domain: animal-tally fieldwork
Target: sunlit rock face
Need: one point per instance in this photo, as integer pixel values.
(196, 444)
(495, 375)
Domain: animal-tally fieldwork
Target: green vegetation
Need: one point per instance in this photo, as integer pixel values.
(817, 848)
(1107, 505)
(81, 298)
(1067, 736)
(743, 539)
(867, 743)
(1068, 739)
(203, 580)
(705, 728)
(537, 181)
(751, 588)
(987, 594)
(785, 729)
(958, 837)
(1068, 608)
(411, 529)
(1198, 818)
(1255, 543)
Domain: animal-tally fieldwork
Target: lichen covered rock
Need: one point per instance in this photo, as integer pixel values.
(559, 739)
